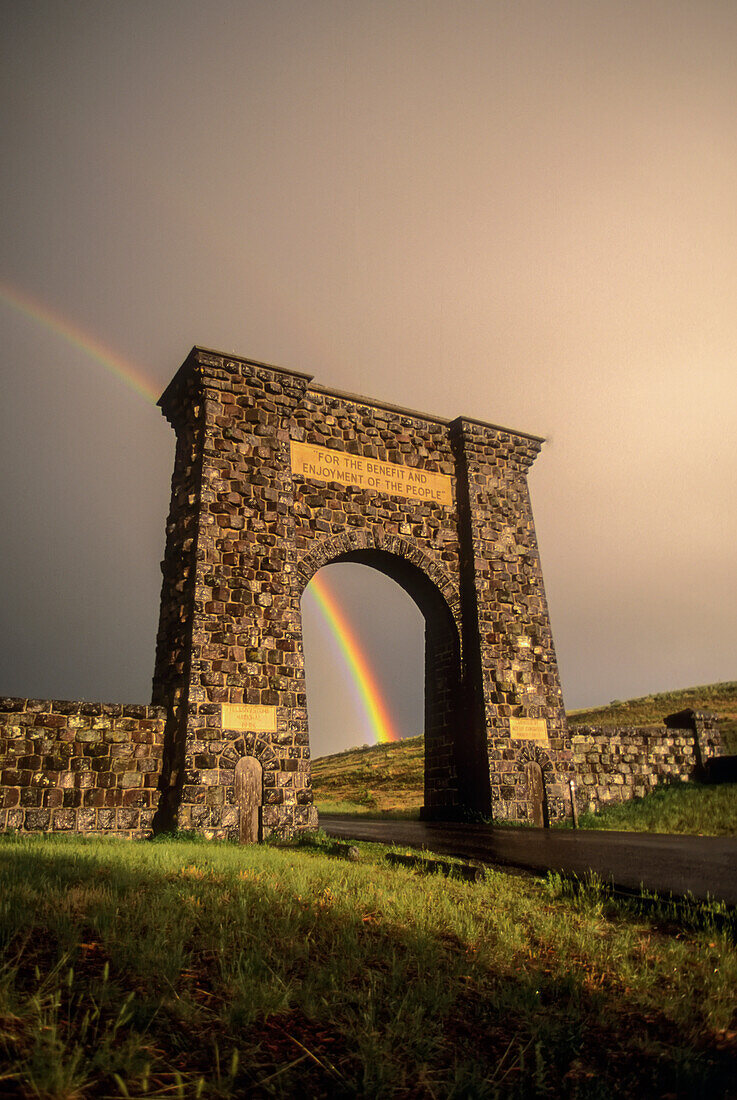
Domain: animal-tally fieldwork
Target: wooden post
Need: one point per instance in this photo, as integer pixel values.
(574, 807)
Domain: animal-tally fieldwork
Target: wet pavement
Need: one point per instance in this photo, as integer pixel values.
(704, 866)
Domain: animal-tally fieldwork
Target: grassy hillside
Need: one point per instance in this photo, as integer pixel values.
(378, 778)
(185, 970)
(650, 710)
(389, 778)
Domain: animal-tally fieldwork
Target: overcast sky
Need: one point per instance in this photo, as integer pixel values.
(523, 212)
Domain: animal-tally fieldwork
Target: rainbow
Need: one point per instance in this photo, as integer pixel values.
(127, 372)
(358, 666)
(360, 669)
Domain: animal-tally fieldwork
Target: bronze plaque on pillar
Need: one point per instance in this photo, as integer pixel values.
(248, 718)
(528, 729)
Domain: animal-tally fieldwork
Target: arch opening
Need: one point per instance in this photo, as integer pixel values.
(455, 764)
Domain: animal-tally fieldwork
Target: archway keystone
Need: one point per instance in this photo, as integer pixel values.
(275, 477)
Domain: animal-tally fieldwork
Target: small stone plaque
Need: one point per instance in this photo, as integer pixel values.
(248, 717)
(528, 729)
(327, 464)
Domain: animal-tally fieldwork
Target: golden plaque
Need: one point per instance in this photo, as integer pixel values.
(326, 464)
(248, 718)
(528, 729)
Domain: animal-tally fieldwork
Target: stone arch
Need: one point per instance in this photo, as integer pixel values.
(344, 546)
(455, 771)
(274, 477)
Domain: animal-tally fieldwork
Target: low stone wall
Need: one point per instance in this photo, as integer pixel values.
(617, 763)
(79, 767)
(95, 768)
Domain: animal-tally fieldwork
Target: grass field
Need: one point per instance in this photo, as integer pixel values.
(373, 779)
(673, 808)
(388, 780)
(181, 969)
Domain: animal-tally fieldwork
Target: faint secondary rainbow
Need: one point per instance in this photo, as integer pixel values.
(355, 659)
(127, 372)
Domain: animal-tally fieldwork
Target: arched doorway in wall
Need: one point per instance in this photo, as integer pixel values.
(248, 793)
(402, 627)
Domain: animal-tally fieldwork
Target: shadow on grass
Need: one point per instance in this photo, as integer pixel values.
(665, 913)
(142, 969)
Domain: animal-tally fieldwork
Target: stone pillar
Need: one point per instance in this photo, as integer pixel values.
(230, 630)
(510, 663)
(182, 404)
(703, 724)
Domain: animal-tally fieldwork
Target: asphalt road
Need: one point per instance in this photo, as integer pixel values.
(699, 865)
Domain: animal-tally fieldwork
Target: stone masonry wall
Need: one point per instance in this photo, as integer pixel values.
(614, 764)
(511, 664)
(79, 767)
(173, 667)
